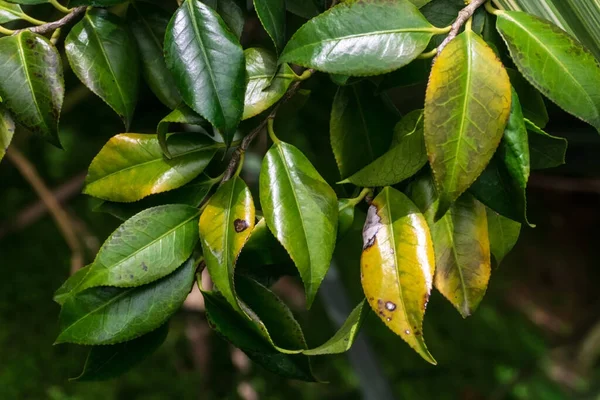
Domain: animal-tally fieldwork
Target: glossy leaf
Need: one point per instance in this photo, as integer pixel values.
(301, 210)
(7, 129)
(302, 8)
(272, 17)
(104, 56)
(405, 158)
(360, 38)
(207, 63)
(32, 87)
(361, 128)
(554, 62)
(263, 248)
(466, 109)
(110, 315)
(503, 234)
(148, 23)
(71, 285)
(181, 115)
(107, 362)
(225, 226)
(131, 166)
(346, 212)
(397, 266)
(232, 12)
(145, 248)
(266, 81)
(532, 102)
(546, 151)
(9, 12)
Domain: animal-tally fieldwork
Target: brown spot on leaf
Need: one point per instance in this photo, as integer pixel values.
(144, 266)
(240, 225)
(390, 306)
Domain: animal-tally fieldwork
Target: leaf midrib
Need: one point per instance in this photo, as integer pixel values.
(29, 81)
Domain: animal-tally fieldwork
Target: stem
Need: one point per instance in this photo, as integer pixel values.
(463, 16)
(441, 31)
(490, 8)
(305, 75)
(428, 55)
(240, 164)
(52, 26)
(32, 20)
(271, 131)
(363, 194)
(59, 6)
(6, 31)
(55, 36)
(469, 25)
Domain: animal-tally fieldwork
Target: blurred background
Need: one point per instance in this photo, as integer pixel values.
(536, 334)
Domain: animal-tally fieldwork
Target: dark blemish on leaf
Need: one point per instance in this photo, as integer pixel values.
(144, 266)
(240, 225)
(130, 276)
(390, 306)
(372, 226)
(417, 333)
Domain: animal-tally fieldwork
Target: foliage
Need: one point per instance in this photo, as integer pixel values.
(445, 182)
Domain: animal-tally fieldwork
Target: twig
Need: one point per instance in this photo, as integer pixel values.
(51, 26)
(60, 216)
(463, 16)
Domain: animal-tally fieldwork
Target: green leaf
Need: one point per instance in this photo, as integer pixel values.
(547, 151)
(397, 266)
(28, 2)
(263, 248)
(405, 158)
(104, 56)
(343, 41)
(503, 234)
(7, 129)
(71, 285)
(145, 248)
(110, 315)
(9, 12)
(266, 82)
(207, 62)
(361, 128)
(555, 63)
(148, 23)
(131, 166)
(466, 109)
(232, 13)
(503, 184)
(302, 8)
(181, 115)
(95, 3)
(346, 212)
(531, 100)
(107, 362)
(272, 17)
(301, 210)
(225, 226)
(32, 87)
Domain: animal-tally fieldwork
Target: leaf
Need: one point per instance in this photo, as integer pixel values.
(103, 55)
(361, 129)
(397, 266)
(7, 129)
(266, 82)
(302, 8)
(503, 184)
(405, 158)
(207, 62)
(148, 23)
(547, 151)
(107, 362)
(555, 63)
(346, 212)
(110, 315)
(71, 285)
(145, 248)
(531, 100)
(263, 248)
(271, 14)
(503, 234)
(466, 109)
(9, 12)
(232, 13)
(95, 3)
(131, 165)
(225, 226)
(181, 115)
(301, 210)
(360, 38)
(32, 87)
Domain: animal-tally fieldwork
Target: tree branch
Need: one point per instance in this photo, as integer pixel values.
(463, 16)
(51, 26)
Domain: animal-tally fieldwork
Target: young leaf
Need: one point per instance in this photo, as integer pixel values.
(145, 248)
(405, 158)
(104, 56)
(207, 62)
(554, 62)
(272, 17)
(503, 234)
(107, 362)
(7, 129)
(361, 38)
(546, 151)
(301, 210)
(397, 266)
(148, 24)
(32, 86)
(266, 82)
(531, 100)
(361, 129)
(131, 166)
(110, 315)
(466, 109)
(225, 226)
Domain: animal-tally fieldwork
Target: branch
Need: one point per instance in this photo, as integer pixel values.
(51, 26)
(463, 16)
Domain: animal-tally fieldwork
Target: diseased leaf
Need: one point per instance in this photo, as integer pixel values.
(301, 210)
(110, 315)
(207, 62)
(225, 226)
(7, 129)
(103, 55)
(106, 362)
(272, 17)
(531, 100)
(32, 86)
(131, 166)
(554, 62)
(360, 38)
(466, 109)
(145, 248)
(546, 151)
(503, 234)
(397, 266)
